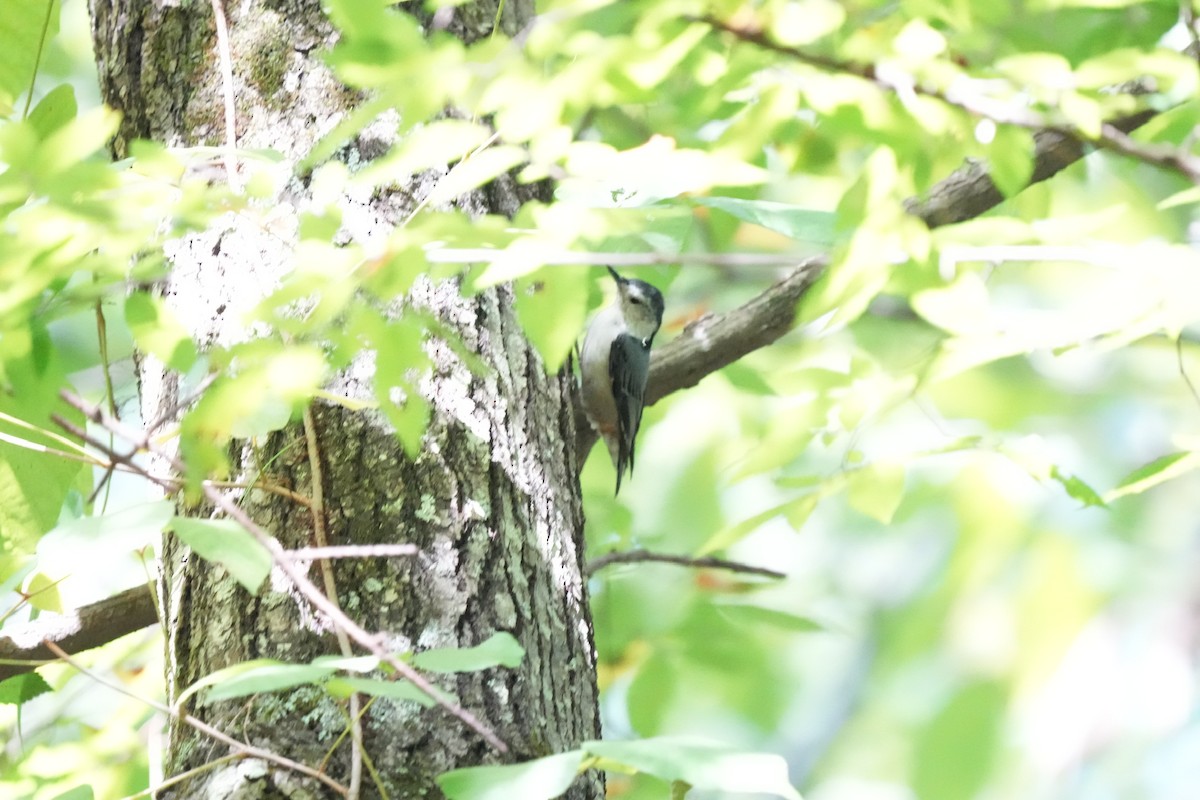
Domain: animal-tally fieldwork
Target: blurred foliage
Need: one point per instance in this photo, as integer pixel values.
(974, 458)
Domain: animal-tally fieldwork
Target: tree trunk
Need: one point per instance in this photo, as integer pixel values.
(492, 501)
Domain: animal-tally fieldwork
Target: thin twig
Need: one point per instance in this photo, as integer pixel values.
(125, 463)
(370, 642)
(1109, 137)
(644, 556)
(184, 776)
(317, 481)
(208, 730)
(227, 91)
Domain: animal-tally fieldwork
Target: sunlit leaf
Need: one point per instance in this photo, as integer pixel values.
(876, 490)
(252, 677)
(498, 650)
(21, 42)
(552, 305)
(1158, 471)
(1077, 488)
(476, 171)
(20, 688)
(393, 690)
(961, 307)
(651, 694)
(227, 543)
(795, 222)
(265, 677)
(398, 353)
(735, 533)
(540, 779)
(955, 752)
(43, 593)
(749, 615)
(157, 331)
(54, 110)
(1010, 159)
(441, 142)
(702, 764)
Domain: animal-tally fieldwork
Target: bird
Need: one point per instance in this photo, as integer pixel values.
(615, 364)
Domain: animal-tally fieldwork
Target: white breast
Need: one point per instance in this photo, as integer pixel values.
(597, 387)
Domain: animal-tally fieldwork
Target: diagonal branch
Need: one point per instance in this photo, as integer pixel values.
(23, 647)
(1110, 136)
(365, 639)
(717, 340)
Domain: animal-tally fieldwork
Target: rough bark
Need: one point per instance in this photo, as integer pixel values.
(492, 501)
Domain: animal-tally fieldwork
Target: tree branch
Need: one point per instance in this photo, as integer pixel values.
(1110, 137)
(717, 340)
(23, 647)
(705, 346)
(368, 641)
(240, 748)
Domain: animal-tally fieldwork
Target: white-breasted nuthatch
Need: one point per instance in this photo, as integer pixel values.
(615, 362)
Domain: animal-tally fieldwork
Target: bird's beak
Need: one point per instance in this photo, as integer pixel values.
(616, 277)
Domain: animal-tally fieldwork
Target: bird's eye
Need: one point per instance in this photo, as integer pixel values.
(633, 298)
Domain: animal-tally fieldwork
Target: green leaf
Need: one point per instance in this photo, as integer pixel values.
(651, 693)
(21, 688)
(398, 350)
(476, 171)
(439, 143)
(226, 543)
(54, 110)
(795, 222)
(540, 779)
(82, 792)
(552, 305)
(1048, 70)
(705, 765)
(266, 677)
(876, 490)
(738, 531)
(253, 677)
(78, 139)
(157, 331)
(394, 690)
(955, 753)
(845, 290)
(1158, 471)
(43, 593)
(21, 42)
(1010, 159)
(744, 615)
(33, 485)
(121, 531)
(500, 649)
(1083, 112)
(1076, 488)
(961, 307)
(747, 379)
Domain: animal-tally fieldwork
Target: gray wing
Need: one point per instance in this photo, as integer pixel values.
(629, 366)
